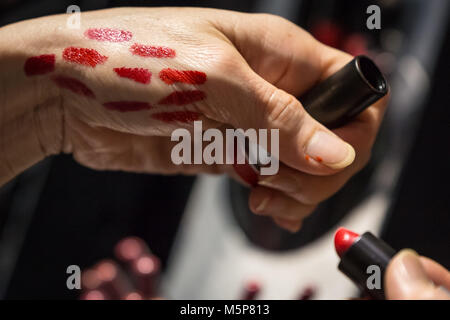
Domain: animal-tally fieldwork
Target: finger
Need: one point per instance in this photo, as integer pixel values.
(278, 50)
(406, 279)
(292, 226)
(269, 202)
(304, 143)
(114, 282)
(307, 188)
(297, 53)
(102, 148)
(437, 273)
(94, 295)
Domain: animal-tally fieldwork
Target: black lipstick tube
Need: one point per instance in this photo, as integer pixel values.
(345, 94)
(356, 263)
(342, 96)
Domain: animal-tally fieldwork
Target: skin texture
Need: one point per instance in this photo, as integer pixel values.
(411, 277)
(255, 65)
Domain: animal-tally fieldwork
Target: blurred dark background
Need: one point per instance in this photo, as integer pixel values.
(59, 213)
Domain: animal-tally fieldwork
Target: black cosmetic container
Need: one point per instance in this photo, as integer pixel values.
(365, 252)
(346, 93)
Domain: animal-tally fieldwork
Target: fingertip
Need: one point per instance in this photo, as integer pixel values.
(347, 160)
(406, 277)
(330, 150)
(258, 200)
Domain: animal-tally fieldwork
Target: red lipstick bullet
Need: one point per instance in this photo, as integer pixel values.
(343, 240)
(363, 258)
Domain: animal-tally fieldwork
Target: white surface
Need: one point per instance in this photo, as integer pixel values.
(212, 258)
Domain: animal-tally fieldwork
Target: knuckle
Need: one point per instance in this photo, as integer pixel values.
(281, 107)
(269, 17)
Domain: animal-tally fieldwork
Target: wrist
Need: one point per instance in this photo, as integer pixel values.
(30, 111)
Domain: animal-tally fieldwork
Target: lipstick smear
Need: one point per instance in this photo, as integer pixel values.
(74, 85)
(126, 106)
(152, 51)
(170, 76)
(140, 75)
(39, 65)
(180, 98)
(84, 56)
(177, 116)
(107, 34)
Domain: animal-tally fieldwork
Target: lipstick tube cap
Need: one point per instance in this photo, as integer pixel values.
(345, 94)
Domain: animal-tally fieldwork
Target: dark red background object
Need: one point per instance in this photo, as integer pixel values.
(251, 290)
(247, 173)
(328, 33)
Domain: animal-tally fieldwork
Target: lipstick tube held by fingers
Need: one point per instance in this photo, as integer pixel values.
(363, 259)
(113, 282)
(146, 273)
(129, 249)
(345, 94)
(333, 102)
(96, 294)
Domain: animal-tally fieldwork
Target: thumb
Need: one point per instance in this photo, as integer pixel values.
(304, 143)
(406, 278)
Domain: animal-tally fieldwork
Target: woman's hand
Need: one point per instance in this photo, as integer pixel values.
(123, 82)
(410, 277)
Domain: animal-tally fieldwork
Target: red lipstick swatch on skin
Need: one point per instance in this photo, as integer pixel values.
(152, 51)
(74, 85)
(84, 56)
(170, 76)
(106, 34)
(140, 75)
(180, 98)
(177, 116)
(126, 106)
(39, 65)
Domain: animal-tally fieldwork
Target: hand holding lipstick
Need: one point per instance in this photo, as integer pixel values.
(112, 93)
(400, 276)
(411, 277)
